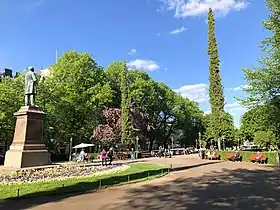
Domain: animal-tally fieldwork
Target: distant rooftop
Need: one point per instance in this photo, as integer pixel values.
(6, 73)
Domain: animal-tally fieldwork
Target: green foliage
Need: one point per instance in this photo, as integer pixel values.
(73, 95)
(215, 88)
(227, 128)
(264, 138)
(264, 83)
(125, 104)
(11, 99)
(77, 91)
(169, 114)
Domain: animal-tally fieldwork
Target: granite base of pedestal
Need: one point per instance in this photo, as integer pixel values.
(23, 159)
(28, 148)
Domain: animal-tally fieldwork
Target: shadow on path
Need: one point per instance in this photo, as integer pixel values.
(62, 193)
(228, 189)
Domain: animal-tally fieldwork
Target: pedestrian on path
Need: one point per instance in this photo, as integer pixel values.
(104, 157)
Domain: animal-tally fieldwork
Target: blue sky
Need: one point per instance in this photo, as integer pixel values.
(166, 38)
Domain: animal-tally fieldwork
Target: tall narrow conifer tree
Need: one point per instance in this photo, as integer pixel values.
(215, 82)
(124, 103)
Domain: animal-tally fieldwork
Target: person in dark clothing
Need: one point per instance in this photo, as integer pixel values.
(110, 155)
(259, 157)
(236, 156)
(169, 151)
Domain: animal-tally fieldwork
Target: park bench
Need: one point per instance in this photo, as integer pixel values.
(229, 156)
(253, 157)
(122, 156)
(146, 155)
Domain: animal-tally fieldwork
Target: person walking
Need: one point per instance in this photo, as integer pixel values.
(104, 157)
(110, 155)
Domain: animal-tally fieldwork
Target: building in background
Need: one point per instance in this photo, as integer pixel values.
(6, 73)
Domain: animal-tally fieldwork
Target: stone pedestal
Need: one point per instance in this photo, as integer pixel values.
(28, 148)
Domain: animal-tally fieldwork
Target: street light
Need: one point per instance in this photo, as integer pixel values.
(137, 139)
(199, 138)
(70, 151)
(223, 137)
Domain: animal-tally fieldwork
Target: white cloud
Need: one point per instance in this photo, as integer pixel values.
(146, 65)
(158, 34)
(132, 52)
(197, 92)
(165, 69)
(208, 111)
(178, 30)
(240, 88)
(187, 8)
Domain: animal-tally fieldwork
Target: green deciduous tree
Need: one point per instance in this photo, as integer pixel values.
(76, 92)
(11, 99)
(215, 89)
(227, 129)
(264, 138)
(264, 81)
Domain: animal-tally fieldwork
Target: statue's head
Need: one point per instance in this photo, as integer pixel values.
(31, 68)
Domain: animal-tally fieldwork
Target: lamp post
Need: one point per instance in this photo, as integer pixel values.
(136, 155)
(223, 137)
(70, 151)
(199, 138)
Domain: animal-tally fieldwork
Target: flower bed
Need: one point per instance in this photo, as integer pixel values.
(59, 173)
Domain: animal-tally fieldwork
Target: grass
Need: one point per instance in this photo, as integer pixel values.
(136, 172)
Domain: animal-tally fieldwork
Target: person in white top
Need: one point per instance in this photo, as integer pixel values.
(82, 155)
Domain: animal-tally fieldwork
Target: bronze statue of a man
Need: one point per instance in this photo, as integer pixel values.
(30, 87)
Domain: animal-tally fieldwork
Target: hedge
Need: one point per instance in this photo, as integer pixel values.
(246, 154)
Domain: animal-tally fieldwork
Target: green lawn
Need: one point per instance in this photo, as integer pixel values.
(136, 172)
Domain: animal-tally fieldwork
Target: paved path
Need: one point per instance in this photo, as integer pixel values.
(203, 185)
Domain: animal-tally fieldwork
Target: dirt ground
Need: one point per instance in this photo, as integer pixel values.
(201, 185)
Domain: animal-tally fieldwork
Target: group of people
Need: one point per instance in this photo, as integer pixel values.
(81, 157)
(104, 155)
(212, 155)
(164, 152)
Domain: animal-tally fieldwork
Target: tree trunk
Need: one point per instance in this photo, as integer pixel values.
(219, 144)
(278, 156)
(151, 145)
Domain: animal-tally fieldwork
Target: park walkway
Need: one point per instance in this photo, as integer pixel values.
(202, 185)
